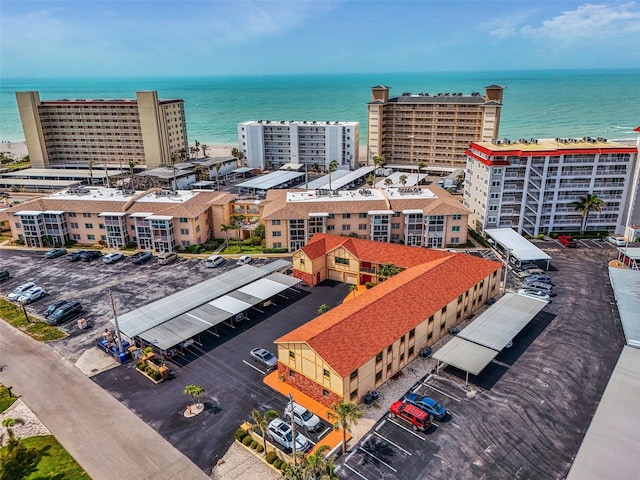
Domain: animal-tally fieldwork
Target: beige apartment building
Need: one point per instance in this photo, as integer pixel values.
(144, 130)
(154, 219)
(357, 346)
(435, 129)
(427, 217)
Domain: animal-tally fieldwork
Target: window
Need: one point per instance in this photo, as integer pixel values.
(72, 214)
(444, 309)
(331, 215)
(412, 333)
(302, 261)
(91, 237)
(458, 314)
(455, 228)
(455, 240)
(342, 261)
(379, 357)
(18, 225)
(431, 319)
(275, 222)
(378, 376)
(292, 373)
(326, 373)
(331, 227)
(457, 216)
(346, 215)
(277, 245)
(346, 227)
(402, 339)
(388, 366)
(183, 220)
(362, 226)
(88, 225)
(184, 231)
(389, 349)
(72, 224)
(402, 357)
(354, 375)
(395, 226)
(325, 392)
(86, 215)
(411, 350)
(277, 233)
(460, 299)
(430, 336)
(292, 354)
(197, 229)
(353, 395)
(495, 183)
(362, 215)
(443, 325)
(100, 225)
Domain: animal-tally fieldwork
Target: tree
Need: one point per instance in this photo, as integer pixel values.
(378, 162)
(132, 164)
(260, 231)
(421, 166)
(333, 166)
(218, 166)
(585, 205)
(197, 148)
(225, 229)
(196, 391)
(403, 179)
(204, 150)
(388, 270)
(236, 224)
(354, 289)
(324, 308)
(262, 422)
(388, 182)
(371, 180)
(90, 165)
(238, 154)
(18, 461)
(345, 415)
(317, 466)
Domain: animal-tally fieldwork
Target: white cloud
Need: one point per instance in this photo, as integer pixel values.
(589, 21)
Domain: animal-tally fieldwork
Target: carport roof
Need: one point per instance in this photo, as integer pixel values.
(465, 355)
(520, 247)
(610, 446)
(498, 325)
(626, 289)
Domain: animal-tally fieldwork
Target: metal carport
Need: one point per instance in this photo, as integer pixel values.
(467, 356)
(626, 290)
(516, 245)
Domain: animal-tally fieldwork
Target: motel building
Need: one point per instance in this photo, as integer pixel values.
(357, 346)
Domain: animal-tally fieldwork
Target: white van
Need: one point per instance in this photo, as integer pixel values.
(167, 257)
(214, 261)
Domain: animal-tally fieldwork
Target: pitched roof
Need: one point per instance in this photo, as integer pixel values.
(374, 320)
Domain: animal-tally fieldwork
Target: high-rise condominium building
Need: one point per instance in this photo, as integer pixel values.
(532, 185)
(144, 130)
(268, 144)
(431, 129)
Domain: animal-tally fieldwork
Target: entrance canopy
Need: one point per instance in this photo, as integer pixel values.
(518, 246)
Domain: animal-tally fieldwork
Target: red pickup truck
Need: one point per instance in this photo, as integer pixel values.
(567, 241)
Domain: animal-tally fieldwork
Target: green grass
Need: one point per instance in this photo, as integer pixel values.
(54, 462)
(13, 315)
(5, 400)
(246, 250)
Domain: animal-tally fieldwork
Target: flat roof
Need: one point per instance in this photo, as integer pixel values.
(324, 196)
(467, 356)
(322, 183)
(351, 177)
(38, 182)
(610, 446)
(270, 180)
(241, 170)
(626, 289)
(499, 324)
(520, 247)
(411, 180)
(54, 173)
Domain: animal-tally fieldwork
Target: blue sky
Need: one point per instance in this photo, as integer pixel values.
(261, 37)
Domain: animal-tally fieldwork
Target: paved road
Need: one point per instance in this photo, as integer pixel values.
(106, 438)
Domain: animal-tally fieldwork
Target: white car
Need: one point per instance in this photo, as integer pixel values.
(534, 293)
(303, 416)
(18, 291)
(32, 295)
(245, 260)
(112, 257)
(617, 241)
(281, 433)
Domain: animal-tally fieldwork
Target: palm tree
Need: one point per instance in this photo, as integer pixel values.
(9, 423)
(262, 422)
(324, 308)
(388, 270)
(317, 464)
(388, 182)
(403, 180)
(132, 164)
(421, 165)
(587, 203)
(236, 224)
(197, 148)
(225, 228)
(371, 180)
(333, 166)
(218, 167)
(354, 289)
(204, 149)
(378, 162)
(18, 461)
(196, 391)
(90, 165)
(345, 415)
(238, 154)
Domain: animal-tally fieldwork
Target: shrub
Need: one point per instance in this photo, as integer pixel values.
(369, 285)
(259, 448)
(240, 434)
(540, 236)
(246, 441)
(19, 241)
(155, 374)
(254, 444)
(139, 365)
(284, 466)
(277, 463)
(194, 248)
(276, 250)
(271, 457)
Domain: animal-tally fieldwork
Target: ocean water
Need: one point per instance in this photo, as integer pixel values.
(558, 103)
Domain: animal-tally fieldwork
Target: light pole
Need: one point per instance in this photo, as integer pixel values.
(506, 271)
(293, 430)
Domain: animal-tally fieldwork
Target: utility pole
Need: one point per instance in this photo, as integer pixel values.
(115, 319)
(293, 430)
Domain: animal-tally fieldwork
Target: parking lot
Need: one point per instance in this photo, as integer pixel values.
(525, 415)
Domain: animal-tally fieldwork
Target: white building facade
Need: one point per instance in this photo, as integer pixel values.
(531, 184)
(272, 144)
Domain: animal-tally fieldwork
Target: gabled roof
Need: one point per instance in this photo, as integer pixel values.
(377, 318)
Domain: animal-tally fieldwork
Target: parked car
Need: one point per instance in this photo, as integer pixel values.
(55, 253)
(75, 256)
(530, 266)
(167, 257)
(418, 418)
(32, 295)
(303, 416)
(64, 312)
(545, 287)
(280, 432)
(534, 293)
(427, 404)
(53, 307)
(4, 275)
(265, 357)
(245, 260)
(18, 291)
(214, 261)
(112, 257)
(141, 257)
(526, 283)
(567, 241)
(617, 241)
(539, 278)
(89, 255)
(532, 271)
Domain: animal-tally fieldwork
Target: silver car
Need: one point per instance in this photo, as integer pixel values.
(265, 357)
(19, 291)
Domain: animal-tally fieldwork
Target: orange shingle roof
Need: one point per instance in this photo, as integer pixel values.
(374, 320)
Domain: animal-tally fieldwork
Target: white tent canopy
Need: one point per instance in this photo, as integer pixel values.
(518, 246)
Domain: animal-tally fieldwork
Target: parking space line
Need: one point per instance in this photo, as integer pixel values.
(392, 443)
(254, 367)
(321, 434)
(354, 471)
(584, 243)
(440, 391)
(408, 430)
(381, 424)
(381, 461)
(599, 245)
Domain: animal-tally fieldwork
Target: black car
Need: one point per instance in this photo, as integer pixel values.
(64, 312)
(55, 253)
(75, 256)
(4, 275)
(90, 255)
(141, 257)
(53, 307)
